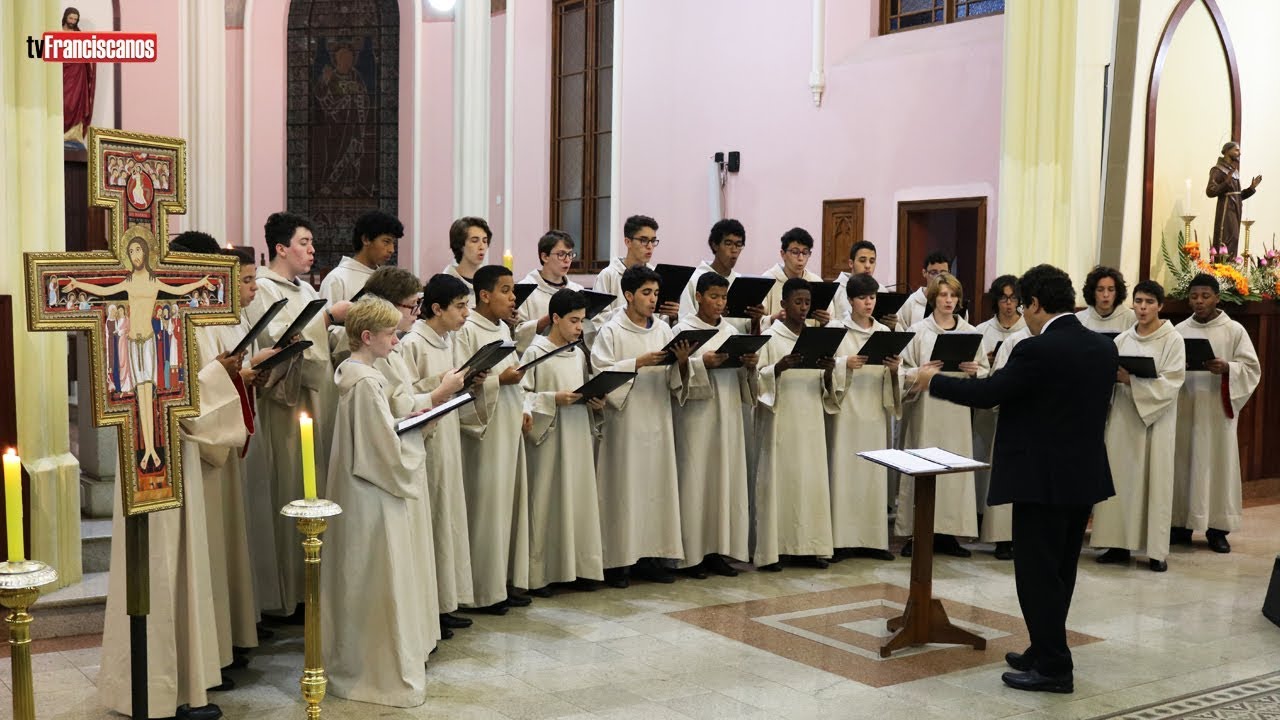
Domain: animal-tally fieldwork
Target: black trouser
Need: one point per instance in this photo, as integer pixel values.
(1048, 538)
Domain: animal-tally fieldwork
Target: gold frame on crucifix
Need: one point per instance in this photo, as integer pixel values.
(141, 180)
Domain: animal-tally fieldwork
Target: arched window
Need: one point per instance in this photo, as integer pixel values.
(343, 107)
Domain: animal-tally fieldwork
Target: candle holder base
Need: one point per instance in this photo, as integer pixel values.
(20, 584)
(312, 517)
(318, 508)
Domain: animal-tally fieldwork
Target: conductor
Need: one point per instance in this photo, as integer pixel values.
(1049, 460)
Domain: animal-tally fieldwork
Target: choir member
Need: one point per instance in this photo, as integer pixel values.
(469, 239)
(727, 240)
(640, 235)
(1105, 293)
(996, 522)
(556, 254)
(373, 242)
(862, 261)
(796, 248)
(913, 310)
(1206, 481)
(1141, 429)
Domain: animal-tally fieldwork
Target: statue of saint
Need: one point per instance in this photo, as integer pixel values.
(1224, 184)
(78, 82)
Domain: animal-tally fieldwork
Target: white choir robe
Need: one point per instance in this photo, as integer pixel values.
(929, 422)
(536, 306)
(452, 269)
(869, 401)
(182, 628)
(564, 510)
(636, 463)
(1206, 485)
(373, 628)
(1118, 321)
(273, 466)
(997, 522)
(609, 281)
(841, 308)
(430, 355)
(912, 310)
(773, 301)
(793, 497)
(494, 472)
(344, 281)
(1141, 430)
(711, 452)
(689, 298)
(229, 559)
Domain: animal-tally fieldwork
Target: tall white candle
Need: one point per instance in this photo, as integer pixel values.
(1186, 201)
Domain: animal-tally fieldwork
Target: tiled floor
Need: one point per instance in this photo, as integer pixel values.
(646, 653)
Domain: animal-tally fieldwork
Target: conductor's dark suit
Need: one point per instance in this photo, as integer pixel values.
(1050, 461)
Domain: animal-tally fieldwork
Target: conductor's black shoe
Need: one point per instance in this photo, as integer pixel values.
(1114, 556)
(717, 564)
(226, 684)
(542, 592)
(448, 620)
(1004, 550)
(1158, 565)
(204, 712)
(1033, 681)
(1018, 661)
(906, 548)
(1180, 536)
(771, 567)
(498, 608)
(616, 577)
(948, 545)
(517, 600)
(1218, 541)
(445, 633)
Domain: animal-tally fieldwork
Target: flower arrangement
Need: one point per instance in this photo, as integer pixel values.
(1244, 278)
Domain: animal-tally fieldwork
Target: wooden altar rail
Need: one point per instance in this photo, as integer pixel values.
(1259, 455)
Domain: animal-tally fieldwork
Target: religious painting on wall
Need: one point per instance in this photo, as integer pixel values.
(139, 303)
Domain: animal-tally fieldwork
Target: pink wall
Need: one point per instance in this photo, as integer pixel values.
(142, 84)
(530, 199)
(437, 147)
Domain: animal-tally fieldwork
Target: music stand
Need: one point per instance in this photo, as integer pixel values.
(924, 620)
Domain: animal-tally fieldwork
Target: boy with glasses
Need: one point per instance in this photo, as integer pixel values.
(797, 247)
(935, 263)
(555, 252)
(640, 235)
(727, 240)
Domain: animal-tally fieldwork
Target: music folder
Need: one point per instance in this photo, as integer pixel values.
(735, 346)
(888, 303)
(1199, 352)
(821, 294)
(953, 348)
(884, 344)
(1139, 366)
(746, 291)
(597, 302)
(287, 353)
(816, 343)
(697, 337)
(543, 358)
(523, 291)
(259, 326)
(434, 413)
(300, 323)
(603, 384)
(675, 278)
(487, 356)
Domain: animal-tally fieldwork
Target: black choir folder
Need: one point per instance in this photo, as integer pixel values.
(288, 353)
(888, 303)
(883, 344)
(821, 294)
(675, 278)
(603, 384)
(487, 356)
(697, 337)
(746, 291)
(523, 291)
(1199, 352)
(434, 413)
(259, 326)
(816, 343)
(543, 358)
(300, 323)
(597, 302)
(954, 348)
(1138, 366)
(738, 345)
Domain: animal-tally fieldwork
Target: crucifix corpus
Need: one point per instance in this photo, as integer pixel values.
(138, 303)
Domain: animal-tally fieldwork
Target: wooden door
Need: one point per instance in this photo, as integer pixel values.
(841, 228)
(957, 227)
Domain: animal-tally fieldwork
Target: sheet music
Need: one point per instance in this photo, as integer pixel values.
(904, 461)
(945, 457)
(435, 412)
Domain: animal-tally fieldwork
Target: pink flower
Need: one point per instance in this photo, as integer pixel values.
(1262, 262)
(1221, 250)
(1239, 259)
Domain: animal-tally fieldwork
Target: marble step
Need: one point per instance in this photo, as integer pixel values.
(95, 545)
(75, 610)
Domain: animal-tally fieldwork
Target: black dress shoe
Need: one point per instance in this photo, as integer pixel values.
(1004, 550)
(585, 585)
(697, 572)
(517, 600)
(445, 633)
(717, 564)
(542, 592)
(906, 548)
(1033, 681)
(239, 659)
(948, 545)
(653, 572)
(771, 567)
(1114, 556)
(498, 608)
(264, 633)
(227, 684)
(1179, 536)
(453, 621)
(811, 561)
(1158, 565)
(617, 577)
(871, 553)
(1018, 661)
(1218, 541)
(204, 712)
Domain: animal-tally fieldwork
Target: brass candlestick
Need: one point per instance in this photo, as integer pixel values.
(312, 518)
(1247, 224)
(1186, 227)
(19, 587)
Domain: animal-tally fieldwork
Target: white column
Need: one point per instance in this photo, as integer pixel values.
(471, 108)
(509, 132)
(615, 144)
(202, 116)
(817, 74)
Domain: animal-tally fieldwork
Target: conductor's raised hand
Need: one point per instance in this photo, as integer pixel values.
(925, 374)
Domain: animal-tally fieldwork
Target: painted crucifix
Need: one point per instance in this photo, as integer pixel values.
(138, 303)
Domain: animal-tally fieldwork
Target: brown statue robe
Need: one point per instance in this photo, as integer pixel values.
(1224, 184)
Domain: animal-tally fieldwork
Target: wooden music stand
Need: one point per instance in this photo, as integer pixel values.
(924, 620)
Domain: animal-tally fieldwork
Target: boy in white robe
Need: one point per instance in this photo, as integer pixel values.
(928, 422)
(727, 239)
(469, 239)
(711, 449)
(996, 523)
(793, 497)
(797, 248)
(564, 510)
(273, 463)
(428, 346)
(493, 460)
(1104, 293)
(1141, 429)
(869, 401)
(372, 629)
(1206, 483)
(636, 463)
(555, 251)
(640, 235)
(373, 241)
(862, 261)
(913, 310)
